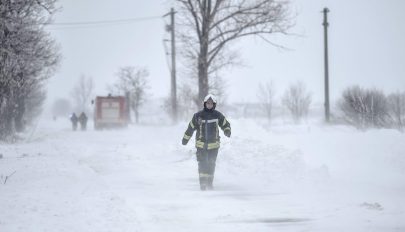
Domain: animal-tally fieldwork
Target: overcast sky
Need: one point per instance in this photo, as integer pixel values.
(366, 47)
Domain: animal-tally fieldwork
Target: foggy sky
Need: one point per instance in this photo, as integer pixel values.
(365, 48)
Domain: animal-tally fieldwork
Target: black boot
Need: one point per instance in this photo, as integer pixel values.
(203, 183)
(209, 183)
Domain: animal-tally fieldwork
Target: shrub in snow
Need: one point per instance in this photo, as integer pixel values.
(297, 100)
(365, 107)
(396, 105)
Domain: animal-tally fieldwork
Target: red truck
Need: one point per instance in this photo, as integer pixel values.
(111, 112)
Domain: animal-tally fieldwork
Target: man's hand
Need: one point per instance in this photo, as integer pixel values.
(184, 141)
(227, 133)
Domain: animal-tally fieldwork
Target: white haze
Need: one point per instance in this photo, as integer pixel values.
(365, 45)
(270, 177)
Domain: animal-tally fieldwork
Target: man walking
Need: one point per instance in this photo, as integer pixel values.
(206, 122)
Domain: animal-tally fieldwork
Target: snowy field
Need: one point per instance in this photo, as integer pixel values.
(307, 177)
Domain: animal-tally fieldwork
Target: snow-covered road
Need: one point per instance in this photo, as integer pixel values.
(289, 178)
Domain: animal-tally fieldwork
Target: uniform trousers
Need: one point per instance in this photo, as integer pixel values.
(206, 166)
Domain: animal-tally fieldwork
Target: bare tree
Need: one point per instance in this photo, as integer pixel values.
(28, 56)
(364, 107)
(396, 105)
(215, 24)
(217, 84)
(132, 80)
(297, 100)
(265, 96)
(82, 93)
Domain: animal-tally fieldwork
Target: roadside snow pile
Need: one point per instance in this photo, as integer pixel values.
(257, 161)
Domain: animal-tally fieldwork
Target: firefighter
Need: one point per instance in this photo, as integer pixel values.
(74, 119)
(206, 122)
(83, 121)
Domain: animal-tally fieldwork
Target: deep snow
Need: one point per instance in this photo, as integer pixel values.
(283, 177)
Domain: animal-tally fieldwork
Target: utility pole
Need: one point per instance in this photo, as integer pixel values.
(325, 26)
(170, 28)
(173, 66)
(174, 92)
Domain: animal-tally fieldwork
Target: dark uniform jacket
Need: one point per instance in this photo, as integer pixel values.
(206, 122)
(82, 118)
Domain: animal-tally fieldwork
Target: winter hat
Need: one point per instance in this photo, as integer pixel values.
(213, 98)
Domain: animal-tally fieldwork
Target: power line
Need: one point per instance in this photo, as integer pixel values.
(106, 21)
(100, 22)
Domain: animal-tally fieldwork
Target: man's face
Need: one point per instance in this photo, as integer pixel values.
(209, 104)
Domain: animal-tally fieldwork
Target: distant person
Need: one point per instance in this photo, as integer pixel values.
(83, 121)
(206, 123)
(74, 119)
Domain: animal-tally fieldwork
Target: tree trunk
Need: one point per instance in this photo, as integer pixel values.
(203, 87)
(9, 127)
(202, 78)
(19, 114)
